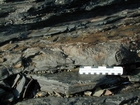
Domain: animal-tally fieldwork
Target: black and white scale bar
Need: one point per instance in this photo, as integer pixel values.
(117, 70)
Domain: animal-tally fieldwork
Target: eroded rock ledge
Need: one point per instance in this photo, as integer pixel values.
(53, 36)
(98, 39)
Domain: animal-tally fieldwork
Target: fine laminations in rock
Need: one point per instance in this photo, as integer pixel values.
(44, 42)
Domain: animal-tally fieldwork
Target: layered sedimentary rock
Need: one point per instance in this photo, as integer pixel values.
(115, 100)
(51, 36)
(79, 37)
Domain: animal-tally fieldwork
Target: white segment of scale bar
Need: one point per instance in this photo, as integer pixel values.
(117, 70)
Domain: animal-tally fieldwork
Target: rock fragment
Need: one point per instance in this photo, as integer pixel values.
(1, 60)
(87, 93)
(4, 72)
(108, 93)
(115, 100)
(41, 94)
(67, 83)
(71, 82)
(98, 92)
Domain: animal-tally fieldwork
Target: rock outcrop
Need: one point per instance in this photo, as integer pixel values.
(52, 36)
(69, 33)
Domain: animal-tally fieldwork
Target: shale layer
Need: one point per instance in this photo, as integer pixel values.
(50, 39)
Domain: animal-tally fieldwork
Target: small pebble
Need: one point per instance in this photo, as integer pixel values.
(108, 92)
(1, 60)
(18, 65)
(41, 94)
(99, 92)
(88, 93)
(57, 94)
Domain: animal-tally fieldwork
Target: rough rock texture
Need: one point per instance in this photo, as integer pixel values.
(113, 100)
(47, 34)
(72, 82)
(52, 36)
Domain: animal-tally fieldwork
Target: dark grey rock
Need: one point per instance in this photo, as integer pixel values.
(4, 73)
(67, 83)
(72, 82)
(51, 36)
(134, 76)
(34, 15)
